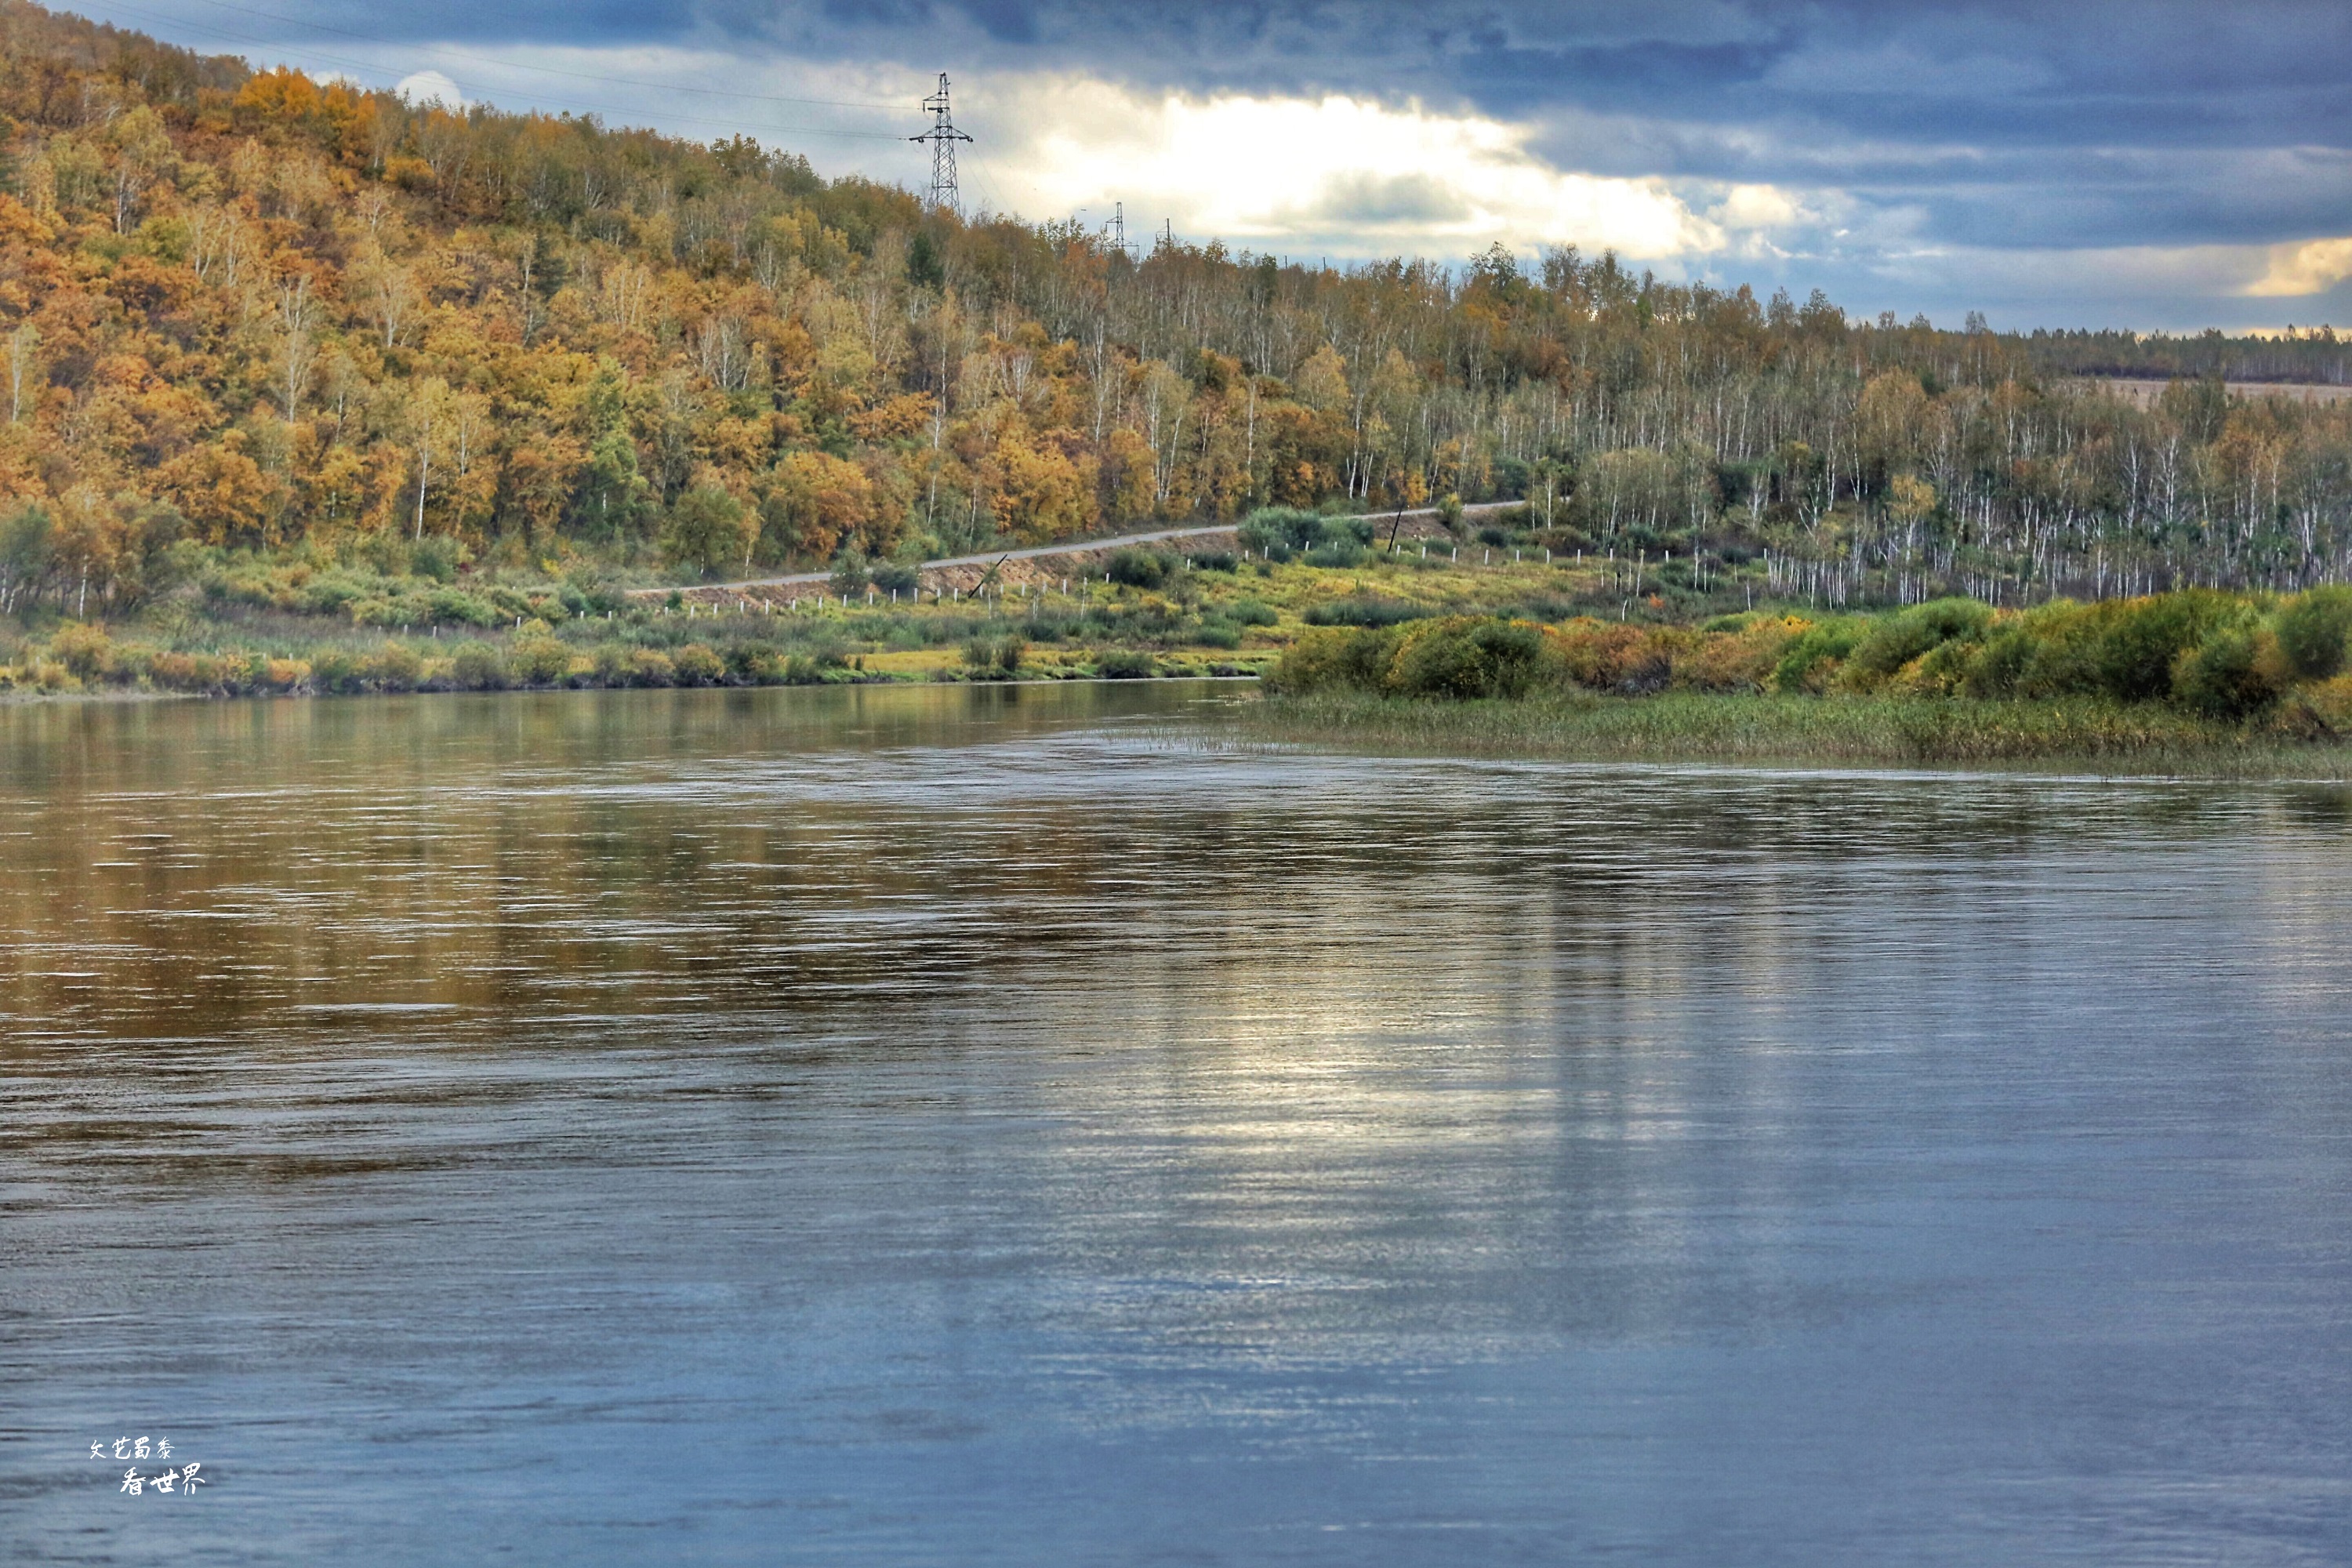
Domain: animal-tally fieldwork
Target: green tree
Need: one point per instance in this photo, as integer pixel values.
(613, 497)
(708, 529)
(850, 576)
(2313, 629)
(27, 545)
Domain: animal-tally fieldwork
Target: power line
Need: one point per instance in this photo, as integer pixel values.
(942, 137)
(992, 185)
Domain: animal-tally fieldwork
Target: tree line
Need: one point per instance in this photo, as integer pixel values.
(245, 310)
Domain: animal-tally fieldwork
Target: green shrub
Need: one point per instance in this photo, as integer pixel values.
(1898, 639)
(1337, 552)
(991, 658)
(542, 662)
(651, 667)
(456, 608)
(2221, 677)
(1631, 660)
(477, 666)
(1142, 568)
(334, 593)
(1250, 613)
(335, 670)
(1813, 657)
(437, 558)
(1218, 634)
(85, 651)
(2312, 632)
(755, 663)
(187, 672)
(696, 665)
(1457, 657)
(1336, 660)
(2000, 664)
(1125, 664)
(393, 668)
(2140, 641)
(2063, 643)
(1469, 657)
(610, 664)
(1278, 532)
(897, 577)
(133, 666)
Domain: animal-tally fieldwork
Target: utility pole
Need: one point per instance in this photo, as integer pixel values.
(942, 137)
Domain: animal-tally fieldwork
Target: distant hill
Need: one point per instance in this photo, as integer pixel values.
(243, 310)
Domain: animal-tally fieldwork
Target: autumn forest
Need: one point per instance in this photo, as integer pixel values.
(248, 311)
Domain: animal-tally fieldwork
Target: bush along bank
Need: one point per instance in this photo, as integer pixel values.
(2256, 663)
(656, 651)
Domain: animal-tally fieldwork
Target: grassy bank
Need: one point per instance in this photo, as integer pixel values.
(227, 623)
(2190, 681)
(2059, 735)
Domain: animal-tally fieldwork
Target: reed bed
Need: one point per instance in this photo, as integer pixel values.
(2056, 734)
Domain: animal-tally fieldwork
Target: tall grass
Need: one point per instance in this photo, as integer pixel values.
(2091, 734)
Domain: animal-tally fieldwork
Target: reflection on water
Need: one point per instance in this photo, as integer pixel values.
(956, 1125)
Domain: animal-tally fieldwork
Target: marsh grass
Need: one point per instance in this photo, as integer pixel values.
(2072, 735)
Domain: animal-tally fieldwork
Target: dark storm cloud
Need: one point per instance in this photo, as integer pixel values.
(2016, 124)
(1736, 89)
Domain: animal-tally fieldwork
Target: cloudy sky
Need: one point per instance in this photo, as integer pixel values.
(2173, 163)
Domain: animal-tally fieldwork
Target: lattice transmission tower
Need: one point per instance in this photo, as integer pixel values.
(942, 136)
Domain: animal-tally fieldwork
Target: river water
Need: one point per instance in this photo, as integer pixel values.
(1014, 1125)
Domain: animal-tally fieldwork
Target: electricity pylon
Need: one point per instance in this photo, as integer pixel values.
(942, 136)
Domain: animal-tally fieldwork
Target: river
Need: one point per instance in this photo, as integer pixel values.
(971, 1125)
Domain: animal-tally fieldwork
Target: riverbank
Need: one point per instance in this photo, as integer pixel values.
(255, 624)
(1706, 727)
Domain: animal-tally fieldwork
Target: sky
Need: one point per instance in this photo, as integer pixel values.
(2167, 164)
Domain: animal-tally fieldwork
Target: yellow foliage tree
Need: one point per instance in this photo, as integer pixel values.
(813, 502)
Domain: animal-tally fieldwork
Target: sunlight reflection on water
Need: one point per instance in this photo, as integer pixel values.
(973, 1125)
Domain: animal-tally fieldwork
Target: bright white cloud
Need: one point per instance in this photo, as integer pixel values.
(1759, 206)
(2313, 266)
(430, 87)
(1341, 177)
(1293, 174)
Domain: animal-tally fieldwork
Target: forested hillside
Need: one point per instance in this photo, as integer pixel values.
(245, 310)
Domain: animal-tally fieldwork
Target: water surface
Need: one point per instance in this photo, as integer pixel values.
(955, 1125)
